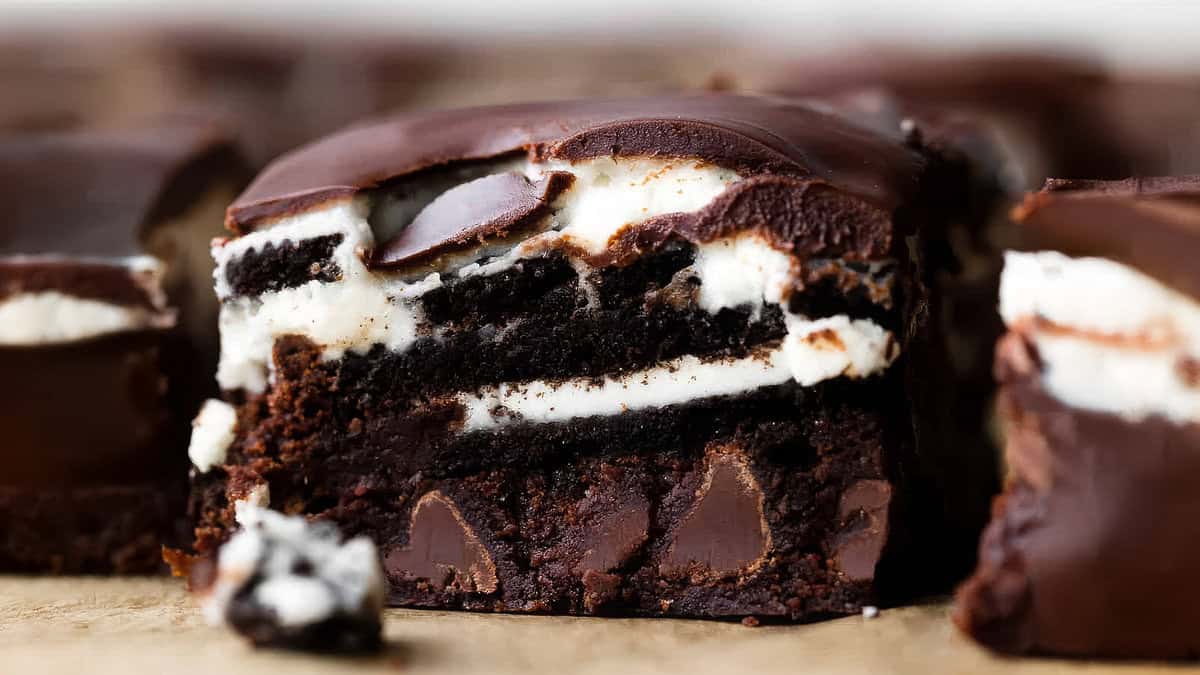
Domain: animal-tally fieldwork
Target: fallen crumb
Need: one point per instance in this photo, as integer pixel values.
(870, 612)
(282, 581)
(750, 621)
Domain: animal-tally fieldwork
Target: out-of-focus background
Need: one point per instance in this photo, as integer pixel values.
(281, 72)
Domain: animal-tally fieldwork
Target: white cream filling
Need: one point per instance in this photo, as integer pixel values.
(51, 317)
(346, 578)
(812, 351)
(741, 270)
(609, 194)
(212, 432)
(1117, 336)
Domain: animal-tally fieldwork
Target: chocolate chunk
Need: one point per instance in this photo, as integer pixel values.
(617, 536)
(1148, 223)
(748, 134)
(726, 530)
(443, 548)
(863, 511)
(599, 589)
(806, 216)
(469, 214)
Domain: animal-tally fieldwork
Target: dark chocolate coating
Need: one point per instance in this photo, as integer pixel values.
(86, 413)
(1152, 224)
(93, 280)
(1094, 547)
(91, 476)
(750, 134)
(485, 207)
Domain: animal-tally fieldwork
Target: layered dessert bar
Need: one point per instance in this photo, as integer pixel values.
(1093, 546)
(107, 331)
(651, 356)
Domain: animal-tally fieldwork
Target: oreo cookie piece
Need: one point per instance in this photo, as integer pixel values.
(282, 581)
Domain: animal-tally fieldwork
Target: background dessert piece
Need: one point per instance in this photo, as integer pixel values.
(107, 336)
(1054, 115)
(276, 89)
(1092, 548)
(1017, 117)
(284, 582)
(643, 356)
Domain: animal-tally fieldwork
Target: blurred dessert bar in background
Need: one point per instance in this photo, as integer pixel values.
(1054, 115)
(1094, 545)
(107, 336)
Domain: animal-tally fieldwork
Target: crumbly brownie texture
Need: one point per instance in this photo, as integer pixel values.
(284, 582)
(617, 357)
(98, 260)
(1092, 548)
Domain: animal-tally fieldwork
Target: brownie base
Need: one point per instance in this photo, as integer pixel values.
(86, 530)
(1094, 546)
(785, 502)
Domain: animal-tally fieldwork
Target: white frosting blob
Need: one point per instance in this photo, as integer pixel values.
(212, 432)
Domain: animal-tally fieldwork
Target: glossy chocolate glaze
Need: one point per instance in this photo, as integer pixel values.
(1093, 548)
(1152, 224)
(754, 135)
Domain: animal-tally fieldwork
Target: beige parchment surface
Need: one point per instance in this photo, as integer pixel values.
(126, 626)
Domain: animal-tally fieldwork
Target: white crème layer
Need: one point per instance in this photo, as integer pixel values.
(741, 270)
(345, 579)
(1118, 337)
(608, 194)
(53, 317)
(212, 432)
(812, 351)
(50, 317)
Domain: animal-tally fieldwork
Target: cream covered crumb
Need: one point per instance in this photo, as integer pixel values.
(212, 433)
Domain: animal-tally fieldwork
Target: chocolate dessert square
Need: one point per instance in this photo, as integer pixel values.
(1092, 548)
(107, 337)
(651, 357)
